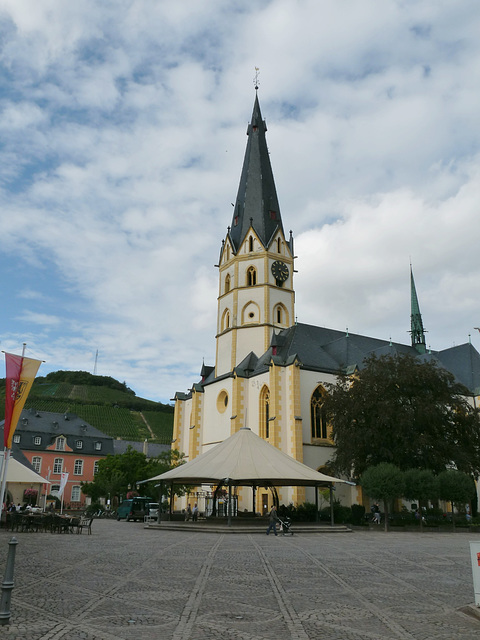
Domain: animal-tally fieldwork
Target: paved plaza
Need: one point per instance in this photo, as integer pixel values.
(128, 582)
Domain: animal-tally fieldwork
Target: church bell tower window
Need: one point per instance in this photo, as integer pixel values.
(251, 277)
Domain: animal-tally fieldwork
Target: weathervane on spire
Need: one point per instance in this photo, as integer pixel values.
(255, 80)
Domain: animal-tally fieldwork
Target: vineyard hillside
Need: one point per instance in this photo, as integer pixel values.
(103, 402)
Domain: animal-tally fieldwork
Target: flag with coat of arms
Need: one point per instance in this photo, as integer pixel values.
(20, 374)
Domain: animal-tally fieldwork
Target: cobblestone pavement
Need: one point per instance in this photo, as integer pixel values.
(125, 582)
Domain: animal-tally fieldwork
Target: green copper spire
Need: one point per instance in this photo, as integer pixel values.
(256, 204)
(416, 323)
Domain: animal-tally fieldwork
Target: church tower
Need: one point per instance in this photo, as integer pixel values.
(256, 296)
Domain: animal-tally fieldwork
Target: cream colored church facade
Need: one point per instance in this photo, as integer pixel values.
(270, 372)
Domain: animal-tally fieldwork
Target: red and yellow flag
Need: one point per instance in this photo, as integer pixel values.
(21, 373)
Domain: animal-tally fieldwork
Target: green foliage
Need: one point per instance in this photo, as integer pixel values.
(341, 514)
(85, 378)
(358, 513)
(103, 402)
(421, 484)
(161, 424)
(118, 474)
(93, 508)
(301, 513)
(404, 412)
(456, 487)
(384, 481)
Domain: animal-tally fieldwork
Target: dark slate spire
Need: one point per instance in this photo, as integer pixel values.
(416, 323)
(256, 203)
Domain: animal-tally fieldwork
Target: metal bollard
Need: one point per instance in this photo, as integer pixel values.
(7, 584)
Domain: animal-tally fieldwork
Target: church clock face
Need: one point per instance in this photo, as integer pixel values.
(280, 271)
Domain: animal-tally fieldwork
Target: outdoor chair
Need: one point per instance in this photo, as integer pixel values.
(48, 521)
(60, 525)
(85, 523)
(74, 523)
(14, 521)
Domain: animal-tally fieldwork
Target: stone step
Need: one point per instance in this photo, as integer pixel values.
(205, 527)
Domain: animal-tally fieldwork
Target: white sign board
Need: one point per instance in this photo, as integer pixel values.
(475, 554)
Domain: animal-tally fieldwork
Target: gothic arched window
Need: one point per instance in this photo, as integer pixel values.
(317, 414)
(264, 413)
(227, 283)
(280, 315)
(251, 277)
(250, 243)
(226, 320)
(279, 245)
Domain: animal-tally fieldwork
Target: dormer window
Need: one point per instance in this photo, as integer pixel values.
(37, 440)
(60, 444)
(16, 438)
(79, 444)
(98, 446)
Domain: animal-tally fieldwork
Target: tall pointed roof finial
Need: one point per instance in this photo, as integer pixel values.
(256, 82)
(416, 325)
(257, 195)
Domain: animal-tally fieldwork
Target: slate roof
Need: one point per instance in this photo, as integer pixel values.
(256, 204)
(332, 351)
(50, 425)
(16, 452)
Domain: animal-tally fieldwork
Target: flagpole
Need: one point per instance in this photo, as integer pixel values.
(61, 501)
(6, 458)
(16, 392)
(46, 492)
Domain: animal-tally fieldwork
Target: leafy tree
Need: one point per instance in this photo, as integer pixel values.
(456, 487)
(421, 485)
(400, 410)
(119, 473)
(384, 481)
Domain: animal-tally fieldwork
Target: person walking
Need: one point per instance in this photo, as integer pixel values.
(376, 513)
(188, 513)
(272, 521)
(195, 513)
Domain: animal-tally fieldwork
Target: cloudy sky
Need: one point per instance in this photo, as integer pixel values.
(122, 134)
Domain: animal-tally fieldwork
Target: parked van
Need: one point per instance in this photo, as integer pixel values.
(134, 509)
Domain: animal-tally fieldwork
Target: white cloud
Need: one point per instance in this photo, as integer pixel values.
(123, 130)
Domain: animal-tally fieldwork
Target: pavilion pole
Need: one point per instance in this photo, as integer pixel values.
(160, 498)
(229, 504)
(171, 501)
(332, 519)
